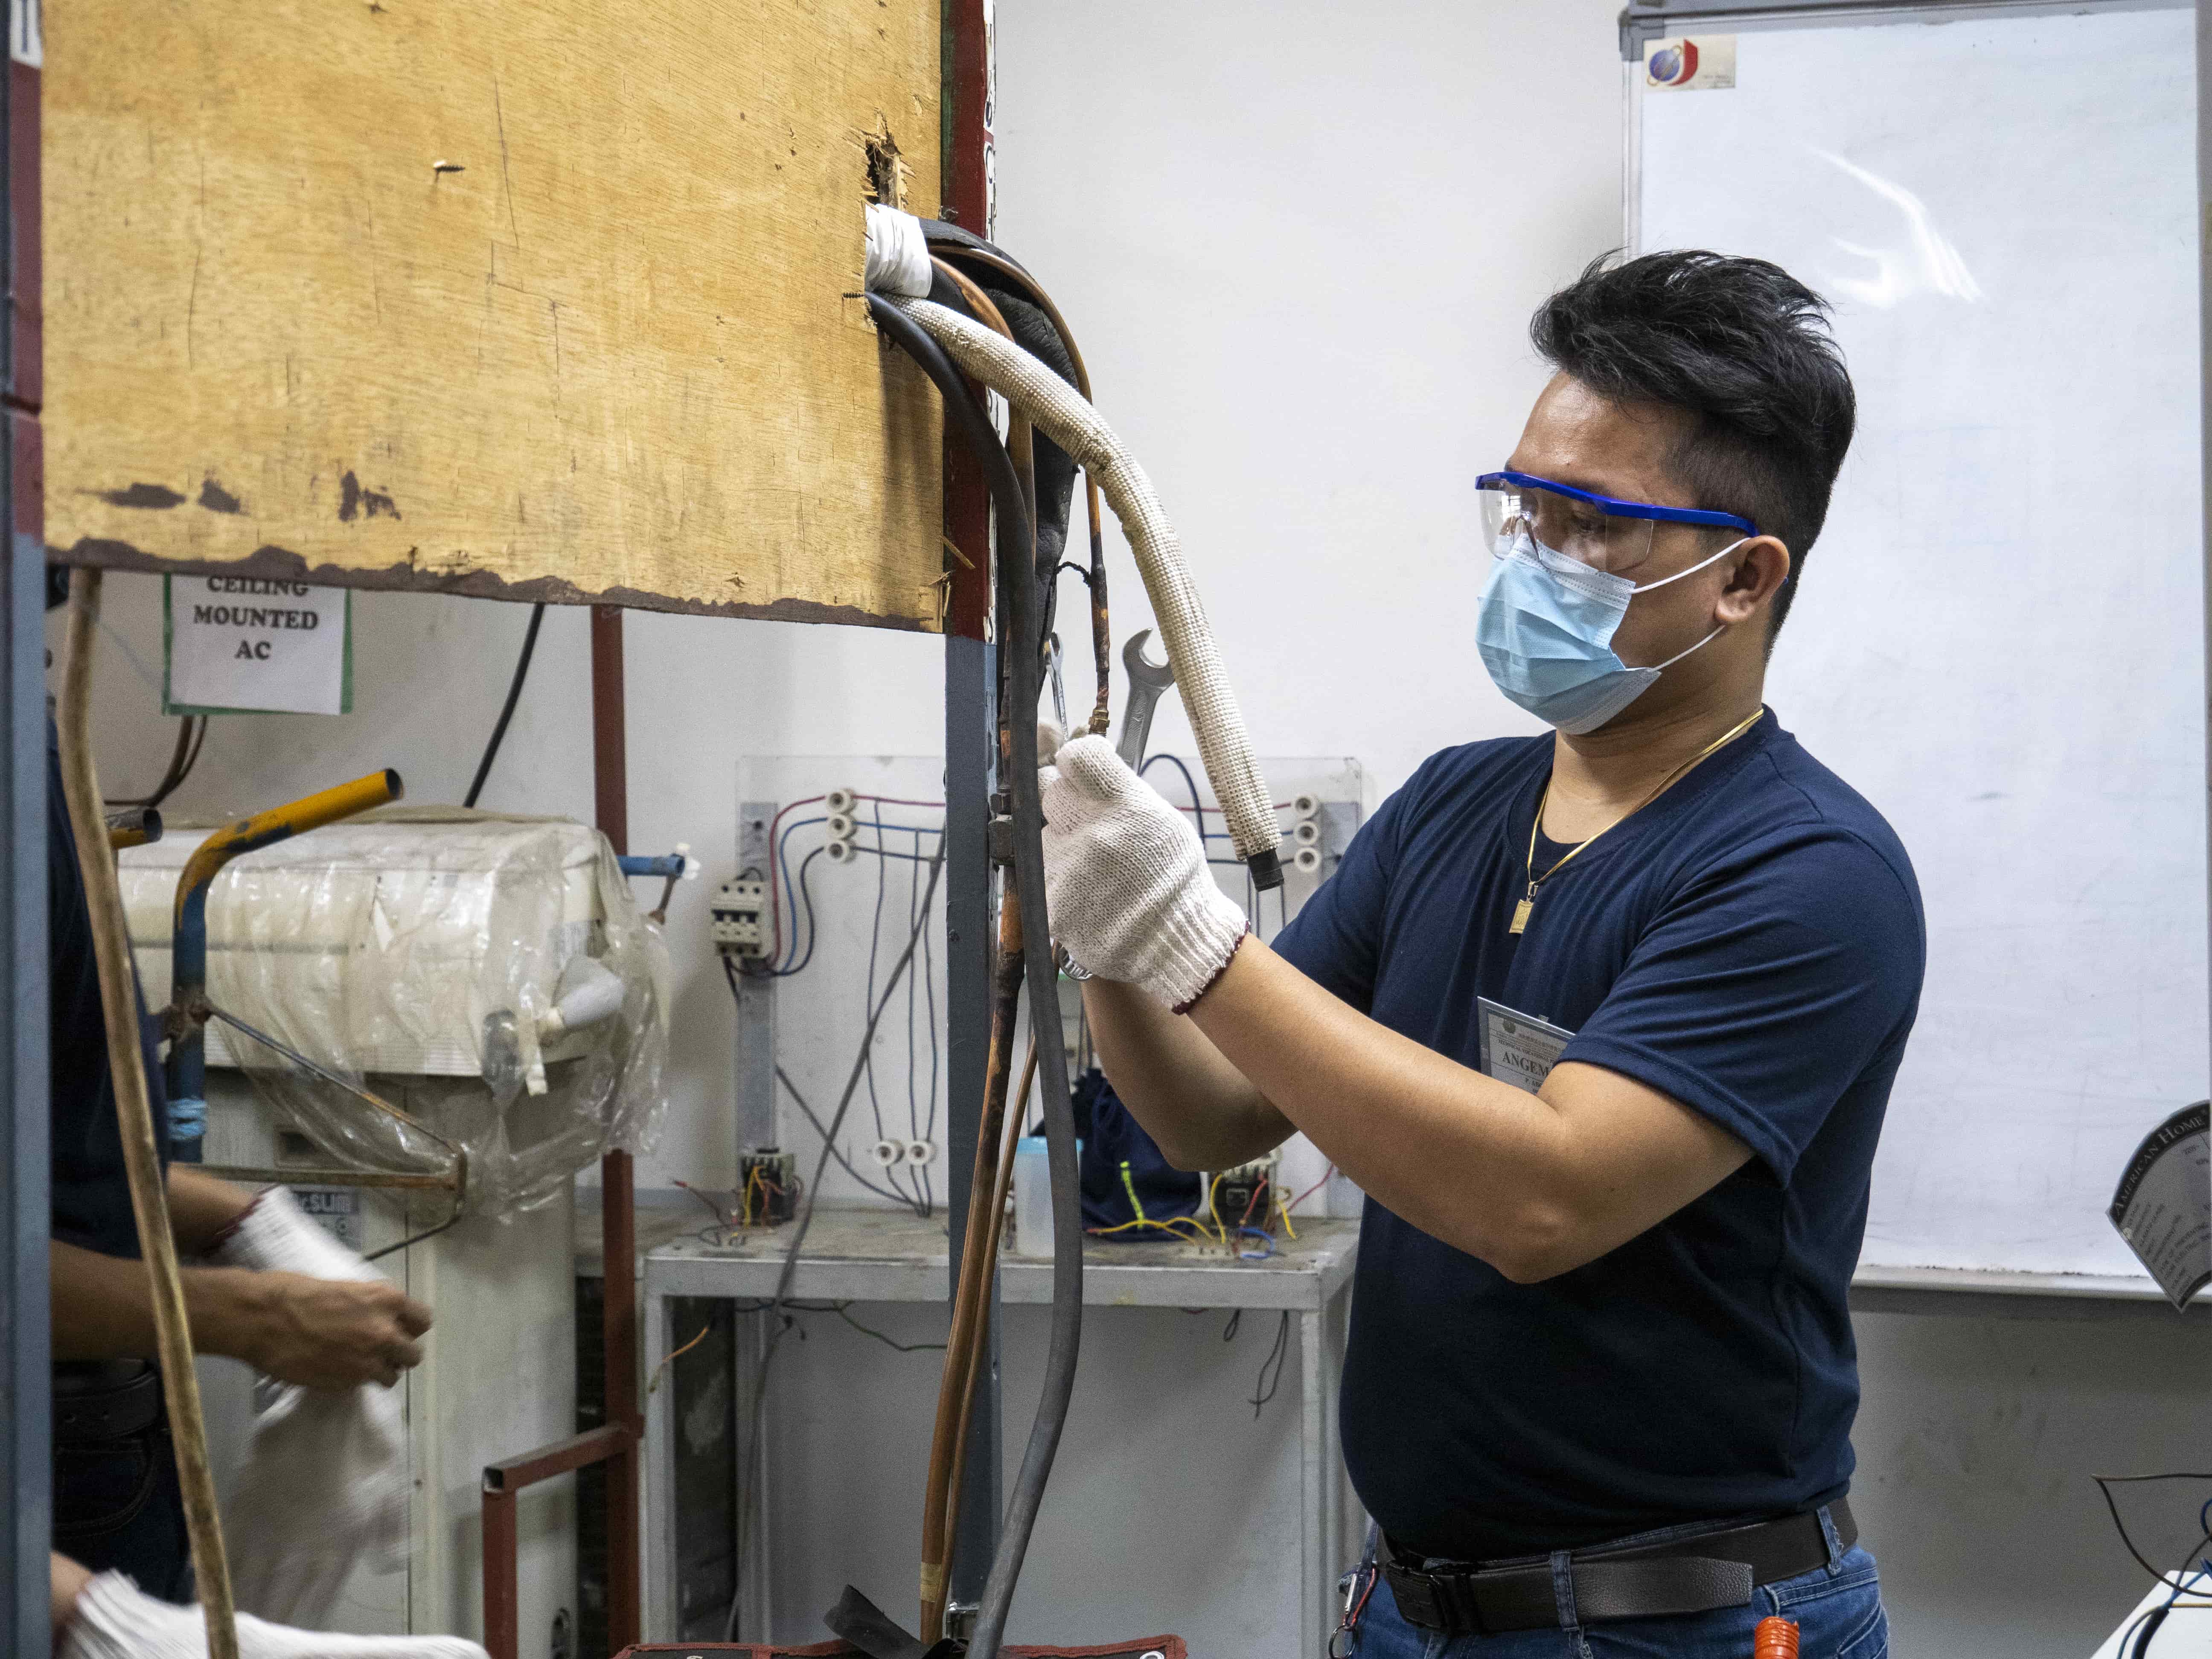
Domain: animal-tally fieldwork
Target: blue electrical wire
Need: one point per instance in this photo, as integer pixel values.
(1197, 806)
(792, 903)
(1257, 1255)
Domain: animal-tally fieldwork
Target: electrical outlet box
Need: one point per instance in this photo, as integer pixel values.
(767, 1187)
(736, 923)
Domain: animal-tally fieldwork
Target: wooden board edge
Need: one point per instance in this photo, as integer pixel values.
(283, 564)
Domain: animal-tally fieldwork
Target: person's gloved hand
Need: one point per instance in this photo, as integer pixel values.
(326, 1475)
(116, 1619)
(321, 1316)
(1126, 877)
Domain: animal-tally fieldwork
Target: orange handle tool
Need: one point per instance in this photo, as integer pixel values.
(1775, 1638)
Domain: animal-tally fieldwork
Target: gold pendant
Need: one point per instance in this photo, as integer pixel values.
(1521, 912)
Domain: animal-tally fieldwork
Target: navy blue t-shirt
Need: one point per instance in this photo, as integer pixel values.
(1752, 945)
(91, 1190)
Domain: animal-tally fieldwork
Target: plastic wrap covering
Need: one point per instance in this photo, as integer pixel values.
(490, 975)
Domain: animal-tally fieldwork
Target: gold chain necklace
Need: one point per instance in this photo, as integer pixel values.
(1527, 904)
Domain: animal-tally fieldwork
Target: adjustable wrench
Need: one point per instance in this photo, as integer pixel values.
(1146, 681)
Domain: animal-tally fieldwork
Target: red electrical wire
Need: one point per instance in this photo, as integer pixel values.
(1316, 1188)
(1259, 1188)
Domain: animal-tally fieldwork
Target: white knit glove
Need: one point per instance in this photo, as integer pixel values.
(325, 1476)
(1131, 897)
(116, 1619)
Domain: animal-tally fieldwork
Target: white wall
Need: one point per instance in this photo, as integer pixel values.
(1299, 243)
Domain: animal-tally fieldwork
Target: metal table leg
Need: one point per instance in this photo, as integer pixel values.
(1316, 1484)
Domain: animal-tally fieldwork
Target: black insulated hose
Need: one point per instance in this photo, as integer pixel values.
(1025, 646)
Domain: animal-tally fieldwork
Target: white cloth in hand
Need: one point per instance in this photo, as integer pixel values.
(1131, 897)
(116, 1619)
(324, 1483)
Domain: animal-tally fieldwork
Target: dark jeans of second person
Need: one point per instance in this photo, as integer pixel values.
(118, 1507)
(1837, 1609)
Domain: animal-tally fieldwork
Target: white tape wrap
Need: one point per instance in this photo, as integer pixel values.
(899, 252)
(1058, 411)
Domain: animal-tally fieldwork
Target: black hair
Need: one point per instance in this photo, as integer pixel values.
(1744, 349)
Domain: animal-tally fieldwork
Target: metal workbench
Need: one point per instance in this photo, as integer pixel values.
(885, 1255)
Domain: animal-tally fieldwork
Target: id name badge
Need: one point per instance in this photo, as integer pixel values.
(1516, 1048)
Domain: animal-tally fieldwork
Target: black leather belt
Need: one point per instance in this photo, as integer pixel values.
(1697, 1574)
(105, 1400)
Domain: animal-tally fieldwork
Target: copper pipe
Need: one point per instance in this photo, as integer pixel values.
(1102, 632)
(150, 1202)
(1008, 1142)
(970, 1319)
(1020, 444)
(962, 1348)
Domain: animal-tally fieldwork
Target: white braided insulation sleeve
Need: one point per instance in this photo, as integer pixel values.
(1058, 410)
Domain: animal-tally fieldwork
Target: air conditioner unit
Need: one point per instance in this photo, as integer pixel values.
(399, 944)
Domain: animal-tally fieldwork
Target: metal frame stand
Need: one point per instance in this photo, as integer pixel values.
(971, 760)
(26, 1339)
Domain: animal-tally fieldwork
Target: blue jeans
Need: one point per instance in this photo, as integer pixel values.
(1837, 1609)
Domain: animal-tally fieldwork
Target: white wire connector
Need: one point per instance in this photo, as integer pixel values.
(899, 252)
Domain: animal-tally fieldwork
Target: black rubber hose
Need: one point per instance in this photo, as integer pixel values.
(506, 711)
(937, 232)
(1022, 596)
(1059, 1389)
(967, 416)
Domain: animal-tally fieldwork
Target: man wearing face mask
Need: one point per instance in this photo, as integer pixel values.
(1604, 1021)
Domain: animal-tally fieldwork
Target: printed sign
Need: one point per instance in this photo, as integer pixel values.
(336, 1210)
(1517, 1048)
(2163, 1208)
(1701, 63)
(251, 643)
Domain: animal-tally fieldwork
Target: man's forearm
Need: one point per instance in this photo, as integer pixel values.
(202, 1208)
(1533, 1184)
(103, 1306)
(1204, 1112)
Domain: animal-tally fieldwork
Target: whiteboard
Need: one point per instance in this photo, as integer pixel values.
(1999, 637)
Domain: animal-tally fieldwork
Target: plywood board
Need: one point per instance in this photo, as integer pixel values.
(545, 300)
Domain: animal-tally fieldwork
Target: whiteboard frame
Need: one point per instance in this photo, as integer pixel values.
(1935, 1290)
(1640, 23)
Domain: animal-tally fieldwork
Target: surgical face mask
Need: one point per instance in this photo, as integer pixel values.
(1545, 629)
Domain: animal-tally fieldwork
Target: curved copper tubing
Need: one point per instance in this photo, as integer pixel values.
(1102, 632)
(1008, 1143)
(1020, 445)
(963, 1345)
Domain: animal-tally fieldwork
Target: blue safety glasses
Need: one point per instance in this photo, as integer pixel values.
(1609, 535)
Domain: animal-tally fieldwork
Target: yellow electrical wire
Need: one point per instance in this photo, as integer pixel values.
(658, 1369)
(1167, 1227)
